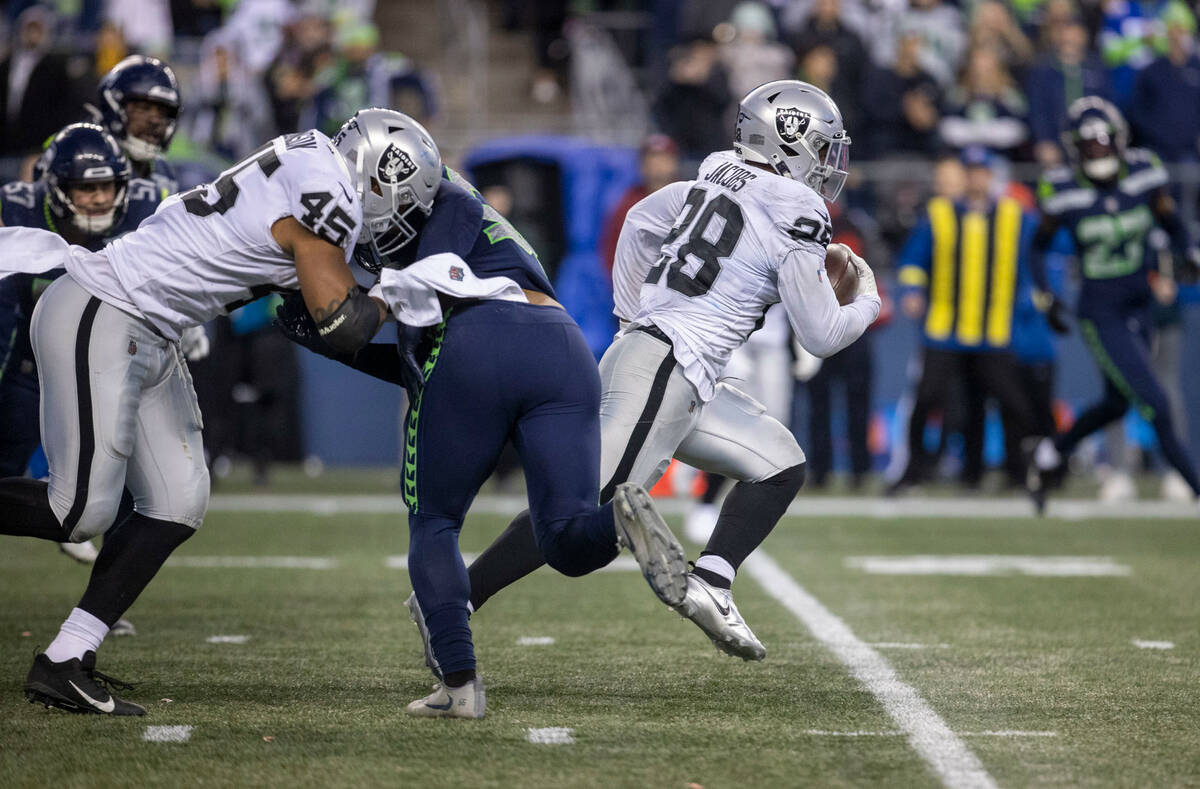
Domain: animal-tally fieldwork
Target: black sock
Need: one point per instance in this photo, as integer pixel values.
(511, 557)
(25, 510)
(712, 488)
(719, 581)
(129, 558)
(456, 679)
(750, 512)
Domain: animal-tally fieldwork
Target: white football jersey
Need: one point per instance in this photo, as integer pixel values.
(209, 250)
(704, 259)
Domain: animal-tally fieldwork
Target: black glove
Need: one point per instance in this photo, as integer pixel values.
(408, 343)
(293, 319)
(1057, 315)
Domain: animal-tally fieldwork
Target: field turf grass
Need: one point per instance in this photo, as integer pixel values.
(315, 696)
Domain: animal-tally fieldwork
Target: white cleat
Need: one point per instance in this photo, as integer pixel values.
(700, 521)
(418, 618)
(1119, 486)
(1175, 487)
(469, 701)
(123, 627)
(82, 552)
(713, 611)
(643, 531)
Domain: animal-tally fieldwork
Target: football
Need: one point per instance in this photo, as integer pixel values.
(843, 276)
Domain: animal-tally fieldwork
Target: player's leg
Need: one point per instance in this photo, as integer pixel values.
(858, 377)
(820, 416)
(1001, 375)
(1124, 356)
(646, 407)
(18, 420)
(937, 374)
(735, 436)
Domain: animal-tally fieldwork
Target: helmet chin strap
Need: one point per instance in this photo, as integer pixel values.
(96, 225)
(1103, 169)
(139, 150)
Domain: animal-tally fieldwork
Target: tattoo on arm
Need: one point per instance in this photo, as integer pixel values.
(321, 313)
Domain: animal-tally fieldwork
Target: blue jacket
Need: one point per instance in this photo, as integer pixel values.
(1051, 88)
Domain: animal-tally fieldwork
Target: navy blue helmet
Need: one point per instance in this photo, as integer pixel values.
(81, 154)
(1096, 137)
(138, 78)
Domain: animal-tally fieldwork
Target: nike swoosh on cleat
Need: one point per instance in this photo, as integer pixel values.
(442, 707)
(107, 706)
(724, 610)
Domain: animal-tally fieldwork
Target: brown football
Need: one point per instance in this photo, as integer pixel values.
(843, 276)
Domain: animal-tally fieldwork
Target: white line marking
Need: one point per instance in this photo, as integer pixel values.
(1140, 644)
(928, 734)
(905, 645)
(1010, 733)
(1053, 566)
(620, 564)
(535, 641)
(400, 561)
(255, 562)
(227, 639)
(555, 735)
(997, 733)
(811, 507)
(167, 734)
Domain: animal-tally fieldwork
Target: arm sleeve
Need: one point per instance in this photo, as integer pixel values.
(645, 229)
(821, 325)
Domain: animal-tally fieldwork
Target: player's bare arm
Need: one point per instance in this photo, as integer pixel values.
(346, 317)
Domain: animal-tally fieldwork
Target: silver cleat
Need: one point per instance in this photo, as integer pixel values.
(418, 618)
(469, 701)
(643, 531)
(713, 611)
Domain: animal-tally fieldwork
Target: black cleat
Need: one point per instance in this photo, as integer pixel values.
(76, 686)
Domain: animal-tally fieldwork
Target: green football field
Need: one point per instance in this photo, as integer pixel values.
(909, 651)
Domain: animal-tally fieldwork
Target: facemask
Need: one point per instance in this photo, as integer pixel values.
(1103, 169)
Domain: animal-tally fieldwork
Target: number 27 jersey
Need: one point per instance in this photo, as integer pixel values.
(700, 259)
(210, 250)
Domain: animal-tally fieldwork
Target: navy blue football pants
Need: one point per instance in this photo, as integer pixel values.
(1120, 343)
(500, 371)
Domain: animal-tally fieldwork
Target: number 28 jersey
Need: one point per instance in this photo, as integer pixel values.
(210, 250)
(701, 259)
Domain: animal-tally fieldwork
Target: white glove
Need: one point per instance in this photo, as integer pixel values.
(866, 278)
(806, 365)
(194, 343)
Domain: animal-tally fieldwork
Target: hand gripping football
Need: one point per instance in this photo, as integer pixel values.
(843, 275)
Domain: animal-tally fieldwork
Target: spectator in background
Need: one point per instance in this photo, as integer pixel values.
(110, 50)
(307, 47)
(824, 27)
(753, 57)
(939, 28)
(992, 25)
(820, 67)
(658, 166)
(1166, 103)
(692, 107)
(1127, 39)
(37, 96)
(900, 105)
(985, 108)
(230, 113)
(144, 24)
(1067, 72)
(196, 18)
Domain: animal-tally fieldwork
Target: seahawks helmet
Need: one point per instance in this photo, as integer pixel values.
(84, 153)
(1096, 137)
(795, 129)
(396, 169)
(138, 78)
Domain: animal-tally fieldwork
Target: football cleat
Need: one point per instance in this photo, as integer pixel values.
(76, 686)
(713, 611)
(469, 701)
(82, 552)
(418, 618)
(1045, 469)
(123, 627)
(643, 531)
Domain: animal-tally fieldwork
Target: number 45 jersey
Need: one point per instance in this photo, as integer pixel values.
(703, 260)
(210, 250)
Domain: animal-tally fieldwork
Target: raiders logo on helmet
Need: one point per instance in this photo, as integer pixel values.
(395, 166)
(791, 123)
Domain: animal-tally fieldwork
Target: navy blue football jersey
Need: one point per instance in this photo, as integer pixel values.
(1109, 225)
(462, 223)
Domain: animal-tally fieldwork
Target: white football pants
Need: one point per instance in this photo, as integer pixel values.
(650, 413)
(118, 410)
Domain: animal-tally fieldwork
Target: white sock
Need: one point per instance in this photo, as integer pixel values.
(1045, 456)
(715, 564)
(470, 608)
(81, 633)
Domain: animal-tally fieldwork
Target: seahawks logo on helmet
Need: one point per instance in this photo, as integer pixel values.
(395, 166)
(791, 123)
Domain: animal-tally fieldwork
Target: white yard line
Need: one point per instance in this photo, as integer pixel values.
(535, 641)
(906, 645)
(1140, 644)
(554, 735)
(167, 733)
(227, 639)
(255, 562)
(814, 507)
(1049, 566)
(927, 733)
(999, 733)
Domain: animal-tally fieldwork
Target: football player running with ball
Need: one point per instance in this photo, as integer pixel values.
(118, 404)
(1109, 199)
(698, 263)
(487, 356)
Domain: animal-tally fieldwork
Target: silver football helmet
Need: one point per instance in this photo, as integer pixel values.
(396, 169)
(795, 129)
